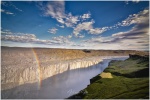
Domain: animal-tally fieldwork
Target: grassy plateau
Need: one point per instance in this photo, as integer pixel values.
(130, 81)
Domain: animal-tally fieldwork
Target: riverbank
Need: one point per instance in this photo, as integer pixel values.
(130, 80)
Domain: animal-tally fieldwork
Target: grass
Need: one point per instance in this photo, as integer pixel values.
(130, 81)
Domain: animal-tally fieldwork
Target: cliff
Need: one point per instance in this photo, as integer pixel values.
(12, 76)
(139, 56)
(29, 65)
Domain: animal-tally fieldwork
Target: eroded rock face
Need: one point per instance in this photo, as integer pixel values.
(27, 65)
(25, 68)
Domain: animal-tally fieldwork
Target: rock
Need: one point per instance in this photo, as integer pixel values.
(24, 73)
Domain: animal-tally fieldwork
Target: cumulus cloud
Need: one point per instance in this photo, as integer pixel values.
(98, 30)
(141, 21)
(88, 26)
(137, 38)
(141, 17)
(82, 26)
(86, 16)
(55, 9)
(79, 23)
(71, 20)
(52, 30)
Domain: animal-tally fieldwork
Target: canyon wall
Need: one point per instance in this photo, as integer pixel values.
(18, 70)
(28, 65)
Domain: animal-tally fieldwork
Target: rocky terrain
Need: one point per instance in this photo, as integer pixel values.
(129, 80)
(28, 65)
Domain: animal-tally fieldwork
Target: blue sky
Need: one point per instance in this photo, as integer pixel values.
(77, 25)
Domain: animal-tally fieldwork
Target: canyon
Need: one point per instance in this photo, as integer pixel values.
(30, 65)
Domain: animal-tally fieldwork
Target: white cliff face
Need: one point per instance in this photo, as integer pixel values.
(20, 66)
(29, 73)
(61, 67)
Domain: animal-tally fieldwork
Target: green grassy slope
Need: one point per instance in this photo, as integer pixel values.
(130, 81)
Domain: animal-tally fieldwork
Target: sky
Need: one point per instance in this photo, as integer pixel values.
(107, 25)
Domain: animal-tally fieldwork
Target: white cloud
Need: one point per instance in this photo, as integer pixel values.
(55, 9)
(62, 26)
(137, 38)
(79, 24)
(31, 38)
(114, 42)
(9, 13)
(5, 31)
(63, 40)
(15, 7)
(135, 19)
(98, 30)
(52, 30)
(141, 21)
(19, 37)
(6, 12)
(2, 10)
(71, 20)
(60, 20)
(82, 26)
(141, 17)
(81, 36)
(69, 36)
(86, 16)
(137, 1)
(10, 4)
(88, 26)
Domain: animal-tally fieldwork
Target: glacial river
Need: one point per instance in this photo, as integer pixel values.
(62, 85)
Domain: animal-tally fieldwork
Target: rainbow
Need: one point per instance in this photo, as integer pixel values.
(39, 75)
